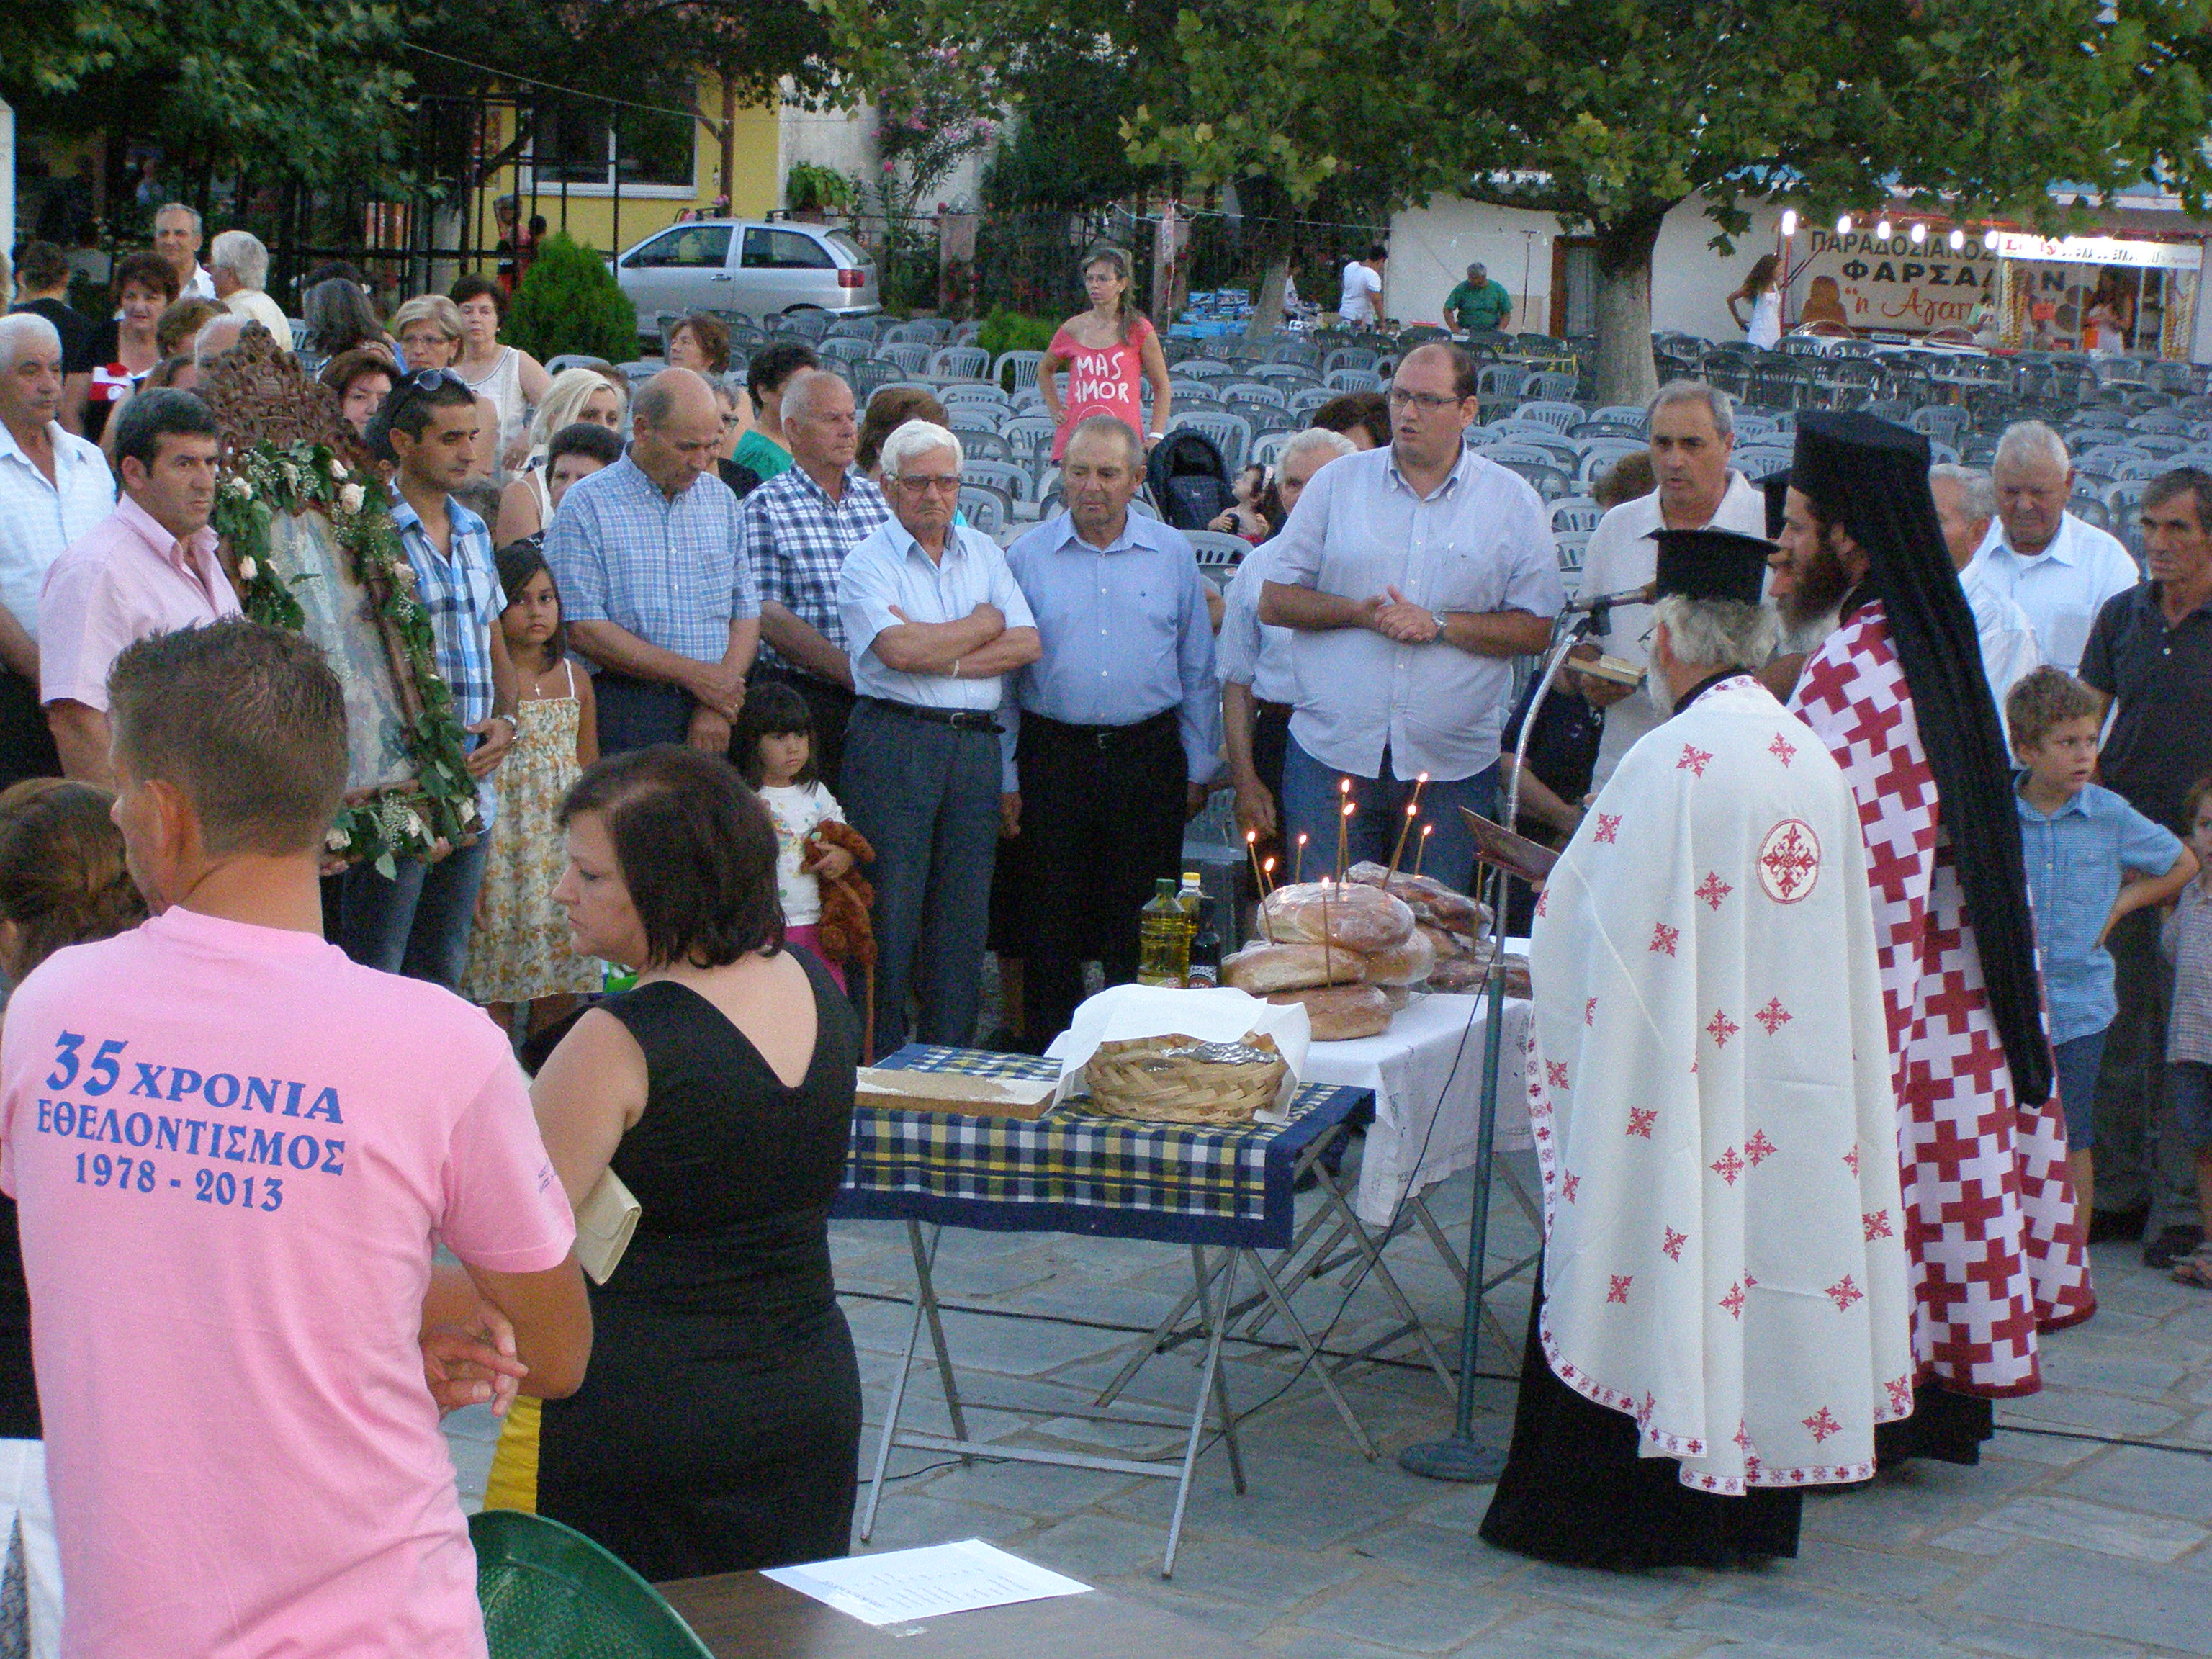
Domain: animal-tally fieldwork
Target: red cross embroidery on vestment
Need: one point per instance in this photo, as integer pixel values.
(1900, 1393)
(1543, 901)
(1694, 759)
(1877, 1225)
(1609, 828)
(1714, 890)
(1782, 749)
(1773, 1017)
(1664, 938)
(1851, 1158)
(1672, 1242)
(1734, 1301)
(1759, 1148)
(1822, 1424)
(1743, 1435)
(1728, 1166)
(1644, 1412)
(1589, 1011)
(1567, 1186)
(1721, 1028)
(1789, 862)
(1640, 1120)
(1555, 1073)
(1843, 1293)
(1619, 1291)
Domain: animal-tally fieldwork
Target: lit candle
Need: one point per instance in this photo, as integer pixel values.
(1413, 810)
(1298, 865)
(1252, 852)
(1343, 828)
(1269, 867)
(1421, 847)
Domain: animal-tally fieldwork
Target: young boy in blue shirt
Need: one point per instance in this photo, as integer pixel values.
(2091, 859)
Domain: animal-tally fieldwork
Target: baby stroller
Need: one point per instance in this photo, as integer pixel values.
(1188, 480)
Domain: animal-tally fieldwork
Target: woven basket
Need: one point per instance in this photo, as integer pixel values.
(1142, 1078)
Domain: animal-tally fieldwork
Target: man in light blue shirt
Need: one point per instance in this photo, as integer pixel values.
(1121, 721)
(935, 621)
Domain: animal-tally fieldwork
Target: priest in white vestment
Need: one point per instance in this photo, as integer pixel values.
(1723, 1316)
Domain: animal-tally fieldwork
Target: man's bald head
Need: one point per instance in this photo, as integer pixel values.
(676, 427)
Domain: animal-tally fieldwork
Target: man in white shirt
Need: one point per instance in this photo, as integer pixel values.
(239, 264)
(1693, 430)
(54, 487)
(1412, 575)
(1965, 503)
(177, 239)
(1362, 304)
(2058, 569)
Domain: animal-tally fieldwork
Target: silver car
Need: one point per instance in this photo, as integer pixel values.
(764, 269)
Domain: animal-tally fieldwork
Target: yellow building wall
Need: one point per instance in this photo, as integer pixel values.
(591, 215)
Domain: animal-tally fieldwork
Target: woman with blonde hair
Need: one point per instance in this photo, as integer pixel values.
(428, 329)
(525, 506)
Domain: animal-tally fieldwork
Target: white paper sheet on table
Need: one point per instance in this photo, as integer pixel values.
(924, 1583)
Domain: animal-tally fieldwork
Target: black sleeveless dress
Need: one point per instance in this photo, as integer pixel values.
(718, 1428)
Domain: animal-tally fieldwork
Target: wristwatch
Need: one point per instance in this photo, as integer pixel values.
(1441, 620)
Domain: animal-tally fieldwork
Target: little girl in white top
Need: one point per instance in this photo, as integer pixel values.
(776, 751)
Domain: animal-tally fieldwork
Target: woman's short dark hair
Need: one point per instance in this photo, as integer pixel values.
(697, 851)
(343, 370)
(889, 409)
(149, 271)
(583, 438)
(1365, 411)
(180, 323)
(712, 336)
(473, 286)
(773, 365)
(772, 709)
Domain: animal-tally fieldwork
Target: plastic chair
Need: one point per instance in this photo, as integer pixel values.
(1024, 367)
(988, 509)
(548, 1592)
(1218, 550)
(964, 362)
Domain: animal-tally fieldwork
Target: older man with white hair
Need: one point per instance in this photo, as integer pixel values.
(1259, 682)
(54, 487)
(239, 264)
(934, 620)
(1965, 503)
(2058, 569)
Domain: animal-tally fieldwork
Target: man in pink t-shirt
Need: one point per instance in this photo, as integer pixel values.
(149, 567)
(232, 1151)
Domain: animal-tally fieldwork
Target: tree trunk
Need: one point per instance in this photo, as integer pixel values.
(728, 135)
(1268, 309)
(1625, 373)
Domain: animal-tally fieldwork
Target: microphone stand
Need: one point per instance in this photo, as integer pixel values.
(1460, 1456)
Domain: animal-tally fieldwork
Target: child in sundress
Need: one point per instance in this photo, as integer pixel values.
(775, 752)
(519, 951)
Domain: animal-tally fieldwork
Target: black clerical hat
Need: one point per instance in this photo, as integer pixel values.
(1710, 564)
(1775, 486)
(1843, 458)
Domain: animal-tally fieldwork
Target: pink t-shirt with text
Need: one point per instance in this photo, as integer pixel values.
(1105, 382)
(233, 1150)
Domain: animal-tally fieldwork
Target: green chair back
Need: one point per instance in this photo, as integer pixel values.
(550, 1593)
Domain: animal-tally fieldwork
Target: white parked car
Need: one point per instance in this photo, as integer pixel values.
(763, 268)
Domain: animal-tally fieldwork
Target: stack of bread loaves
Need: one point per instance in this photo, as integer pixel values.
(1349, 953)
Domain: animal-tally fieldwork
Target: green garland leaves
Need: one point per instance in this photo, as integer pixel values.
(264, 481)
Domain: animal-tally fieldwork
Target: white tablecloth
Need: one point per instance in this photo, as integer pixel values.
(1407, 1068)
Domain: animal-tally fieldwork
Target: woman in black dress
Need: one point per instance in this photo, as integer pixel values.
(718, 1427)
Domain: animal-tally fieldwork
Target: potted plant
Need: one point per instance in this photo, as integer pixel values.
(812, 191)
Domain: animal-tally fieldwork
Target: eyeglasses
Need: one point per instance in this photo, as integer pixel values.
(1427, 402)
(942, 486)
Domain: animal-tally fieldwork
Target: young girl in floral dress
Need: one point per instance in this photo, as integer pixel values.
(519, 951)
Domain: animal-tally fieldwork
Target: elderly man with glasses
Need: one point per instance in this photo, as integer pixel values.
(935, 621)
(1411, 577)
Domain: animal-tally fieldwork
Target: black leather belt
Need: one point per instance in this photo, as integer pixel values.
(960, 720)
(1271, 711)
(1101, 737)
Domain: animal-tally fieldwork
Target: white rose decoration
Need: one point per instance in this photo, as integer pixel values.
(350, 498)
(338, 469)
(248, 570)
(336, 841)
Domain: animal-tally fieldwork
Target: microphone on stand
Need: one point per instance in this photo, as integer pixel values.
(1598, 602)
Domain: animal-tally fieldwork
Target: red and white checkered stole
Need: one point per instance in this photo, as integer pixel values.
(1996, 1254)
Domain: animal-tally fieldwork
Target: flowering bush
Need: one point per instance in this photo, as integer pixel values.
(926, 123)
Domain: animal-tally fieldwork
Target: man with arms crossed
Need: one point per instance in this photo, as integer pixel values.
(233, 1150)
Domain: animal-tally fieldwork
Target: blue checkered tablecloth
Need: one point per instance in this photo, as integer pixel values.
(1077, 1172)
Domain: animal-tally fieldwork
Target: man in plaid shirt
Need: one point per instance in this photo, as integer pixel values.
(416, 923)
(798, 526)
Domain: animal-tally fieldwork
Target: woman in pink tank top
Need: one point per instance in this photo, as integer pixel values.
(1106, 351)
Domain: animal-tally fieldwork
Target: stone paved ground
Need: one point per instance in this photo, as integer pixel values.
(2065, 1544)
